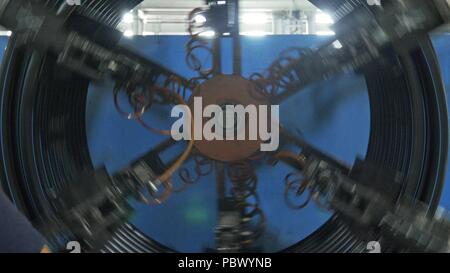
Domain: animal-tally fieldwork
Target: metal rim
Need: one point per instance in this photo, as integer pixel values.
(40, 103)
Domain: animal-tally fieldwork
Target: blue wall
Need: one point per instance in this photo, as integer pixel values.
(333, 115)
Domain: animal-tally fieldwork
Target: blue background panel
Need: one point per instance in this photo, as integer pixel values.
(333, 115)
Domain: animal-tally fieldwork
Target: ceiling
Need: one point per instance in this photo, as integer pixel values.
(245, 4)
(169, 16)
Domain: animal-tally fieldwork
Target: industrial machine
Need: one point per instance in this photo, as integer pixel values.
(392, 194)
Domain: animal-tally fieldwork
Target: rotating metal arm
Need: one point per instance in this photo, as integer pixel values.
(99, 202)
(366, 199)
(354, 47)
(44, 29)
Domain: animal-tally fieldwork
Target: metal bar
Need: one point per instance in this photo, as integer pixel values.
(47, 32)
(220, 184)
(309, 150)
(237, 57)
(217, 58)
(376, 29)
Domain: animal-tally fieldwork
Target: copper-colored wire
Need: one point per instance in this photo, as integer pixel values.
(195, 43)
(257, 156)
(165, 177)
(244, 186)
(152, 129)
(281, 74)
(172, 169)
(127, 115)
(185, 175)
(302, 186)
(168, 188)
(290, 157)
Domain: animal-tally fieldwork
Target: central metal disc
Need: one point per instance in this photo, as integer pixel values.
(225, 90)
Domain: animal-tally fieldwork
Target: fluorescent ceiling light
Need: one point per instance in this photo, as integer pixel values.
(325, 33)
(208, 33)
(323, 19)
(255, 18)
(255, 33)
(128, 18)
(200, 19)
(128, 33)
